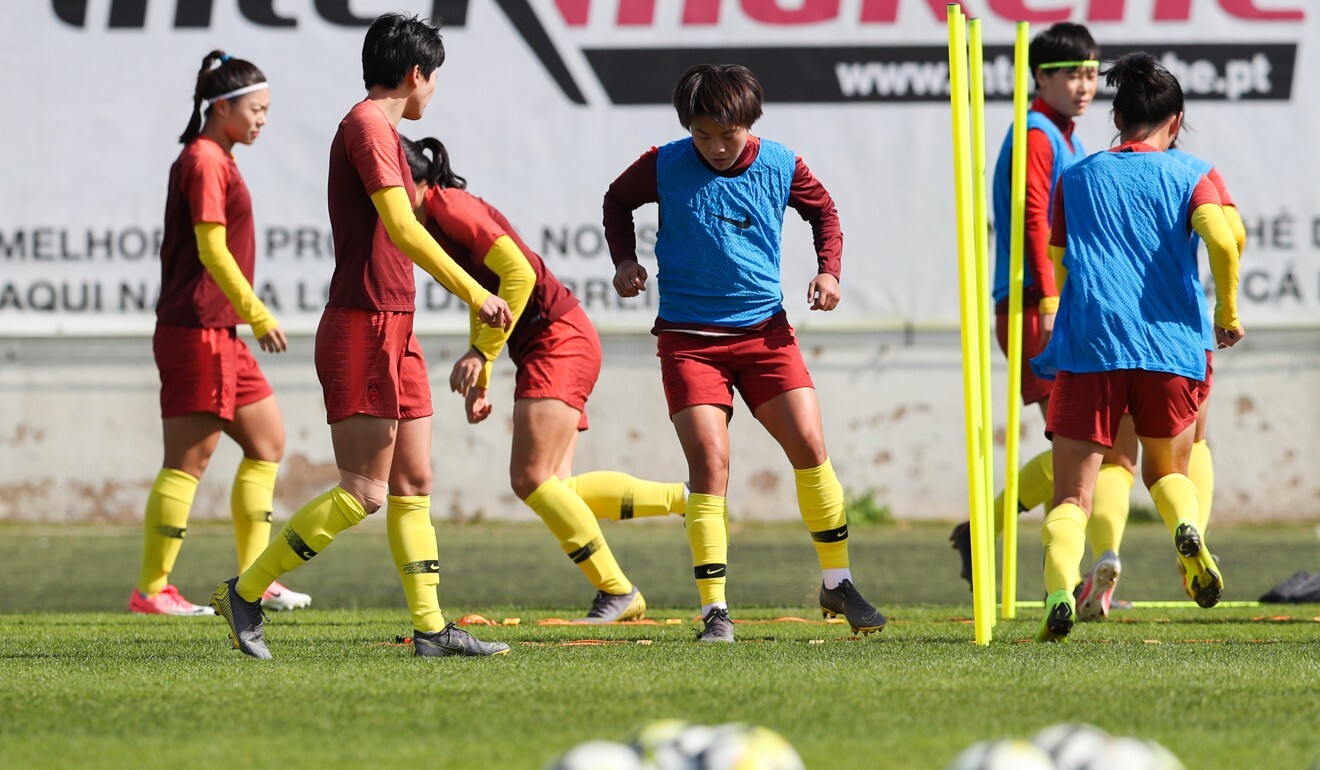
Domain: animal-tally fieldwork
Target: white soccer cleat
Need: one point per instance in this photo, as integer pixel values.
(279, 599)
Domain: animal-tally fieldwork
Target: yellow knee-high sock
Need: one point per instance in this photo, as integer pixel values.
(417, 557)
(1064, 538)
(614, 495)
(1202, 473)
(251, 502)
(309, 532)
(579, 535)
(820, 500)
(1035, 487)
(1109, 509)
(164, 526)
(1175, 499)
(707, 520)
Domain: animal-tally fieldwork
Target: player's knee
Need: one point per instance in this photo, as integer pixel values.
(525, 481)
(371, 493)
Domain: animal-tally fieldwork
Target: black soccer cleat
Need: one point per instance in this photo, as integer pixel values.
(1060, 615)
(1202, 577)
(245, 619)
(454, 641)
(718, 627)
(961, 537)
(845, 600)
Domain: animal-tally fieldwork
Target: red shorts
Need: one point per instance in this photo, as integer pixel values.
(205, 370)
(1034, 389)
(1209, 377)
(697, 369)
(369, 362)
(563, 363)
(1088, 407)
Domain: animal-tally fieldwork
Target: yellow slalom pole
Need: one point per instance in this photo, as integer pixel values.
(1017, 243)
(962, 172)
(982, 313)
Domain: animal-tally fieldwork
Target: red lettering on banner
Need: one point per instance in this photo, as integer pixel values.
(575, 12)
(770, 12)
(642, 12)
(1018, 11)
(886, 11)
(1173, 10)
(1246, 9)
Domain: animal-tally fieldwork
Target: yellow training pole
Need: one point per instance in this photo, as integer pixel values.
(962, 172)
(981, 228)
(1017, 241)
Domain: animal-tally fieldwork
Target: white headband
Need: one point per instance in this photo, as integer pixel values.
(238, 92)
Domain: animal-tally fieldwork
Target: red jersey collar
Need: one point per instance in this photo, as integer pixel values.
(744, 161)
(1134, 146)
(1065, 125)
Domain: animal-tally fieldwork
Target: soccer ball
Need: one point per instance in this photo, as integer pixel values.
(672, 744)
(1071, 746)
(749, 747)
(598, 755)
(1002, 755)
(1132, 754)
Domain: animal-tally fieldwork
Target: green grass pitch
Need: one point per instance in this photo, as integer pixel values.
(84, 684)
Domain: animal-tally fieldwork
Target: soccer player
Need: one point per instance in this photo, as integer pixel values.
(1129, 332)
(558, 358)
(1113, 488)
(373, 376)
(209, 381)
(721, 326)
(1065, 63)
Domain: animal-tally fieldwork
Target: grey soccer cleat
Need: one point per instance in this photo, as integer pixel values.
(452, 640)
(845, 600)
(718, 627)
(244, 618)
(613, 608)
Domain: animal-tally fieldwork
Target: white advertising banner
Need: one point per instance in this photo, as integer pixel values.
(543, 102)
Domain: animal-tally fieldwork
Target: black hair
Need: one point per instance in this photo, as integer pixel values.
(1062, 42)
(212, 81)
(728, 94)
(396, 43)
(1148, 94)
(434, 170)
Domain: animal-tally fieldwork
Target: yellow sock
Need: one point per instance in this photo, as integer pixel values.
(614, 495)
(251, 502)
(1109, 509)
(708, 533)
(309, 532)
(1175, 499)
(820, 499)
(1064, 538)
(165, 524)
(579, 535)
(1035, 487)
(1202, 473)
(417, 557)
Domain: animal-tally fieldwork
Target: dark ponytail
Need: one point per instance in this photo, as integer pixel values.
(434, 170)
(212, 81)
(1148, 94)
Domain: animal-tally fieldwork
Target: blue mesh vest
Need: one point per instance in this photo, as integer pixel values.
(1130, 301)
(1064, 156)
(1201, 167)
(718, 245)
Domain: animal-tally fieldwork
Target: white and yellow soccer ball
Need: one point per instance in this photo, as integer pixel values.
(672, 744)
(598, 755)
(1071, 745)
(1132, 754)
(738, 746)
(1002, 755)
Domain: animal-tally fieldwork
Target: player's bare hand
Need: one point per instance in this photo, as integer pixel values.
(463, 377)
(495, 312)
(1227, 338)
(1046, 328)
(823, 292)
(274, 341)
(630, 279)
(478, 408)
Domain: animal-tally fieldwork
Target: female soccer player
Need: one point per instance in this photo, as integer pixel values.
(377, 398)
(721, 326)
(1113, 487)
(1065, 63)
(1129, 332)
(210, 383)
(557, 352)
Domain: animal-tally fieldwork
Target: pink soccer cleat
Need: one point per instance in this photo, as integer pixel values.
(1097, 596)
(168, 602)
(278, 599)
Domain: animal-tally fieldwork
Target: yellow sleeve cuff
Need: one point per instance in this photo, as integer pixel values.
(517, 280)
(1211, 224)
(396, 213)
(1238, 227)
(1049, 305)
(474, 328)
(1060, 275)
(213, 250)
